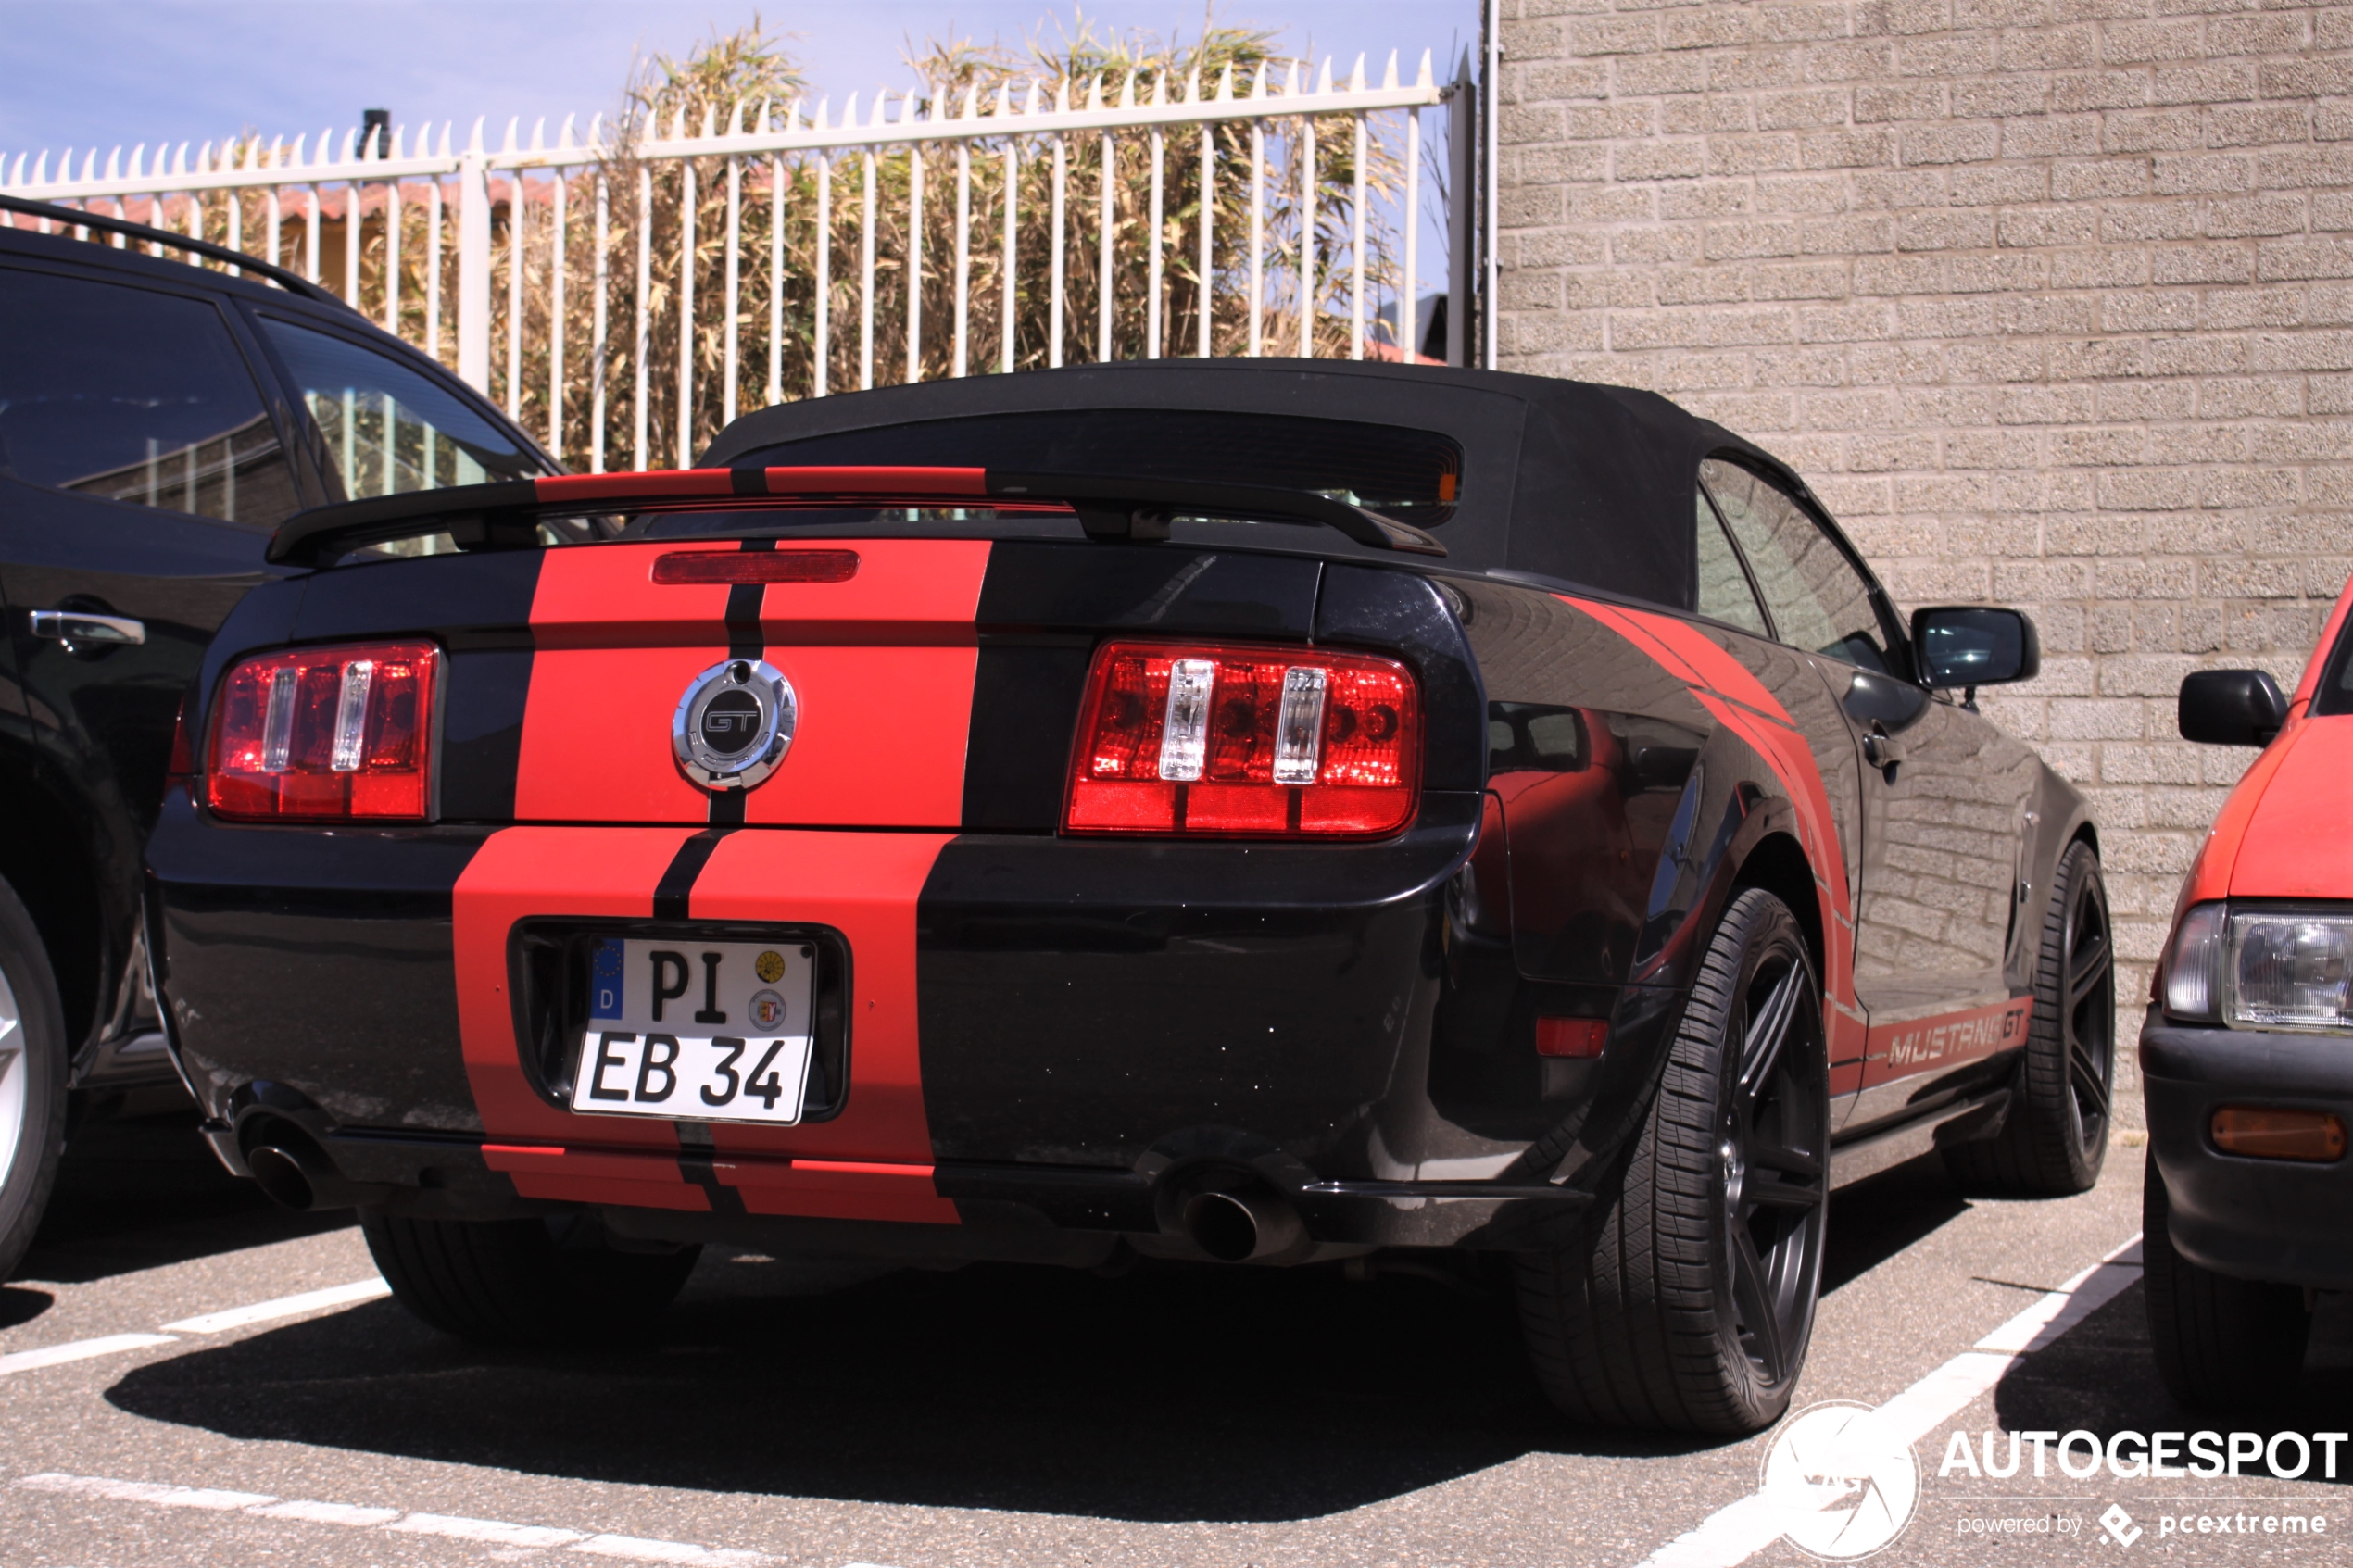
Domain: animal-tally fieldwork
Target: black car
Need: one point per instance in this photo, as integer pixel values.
(1268, 812)
(158, 421)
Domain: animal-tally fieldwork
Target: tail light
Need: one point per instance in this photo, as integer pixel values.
(1239, 741)
(314, 734)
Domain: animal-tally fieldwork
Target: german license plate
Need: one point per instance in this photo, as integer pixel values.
(697, 1030)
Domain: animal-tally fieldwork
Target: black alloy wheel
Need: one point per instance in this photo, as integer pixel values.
(2055, 1138)
(1686, 1299)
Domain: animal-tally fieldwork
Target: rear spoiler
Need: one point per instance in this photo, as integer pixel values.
(505, 516)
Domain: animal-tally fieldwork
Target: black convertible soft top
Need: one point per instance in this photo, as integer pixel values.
(1592, 485)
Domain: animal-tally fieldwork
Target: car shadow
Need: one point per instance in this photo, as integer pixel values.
(1880, 1216)
(137, 1193)
(18, 1305)
(1160, 1395)
(2100, 1377)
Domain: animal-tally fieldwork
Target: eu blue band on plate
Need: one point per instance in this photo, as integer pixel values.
(604, 980)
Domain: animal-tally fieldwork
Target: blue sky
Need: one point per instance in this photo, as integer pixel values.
(85, 73)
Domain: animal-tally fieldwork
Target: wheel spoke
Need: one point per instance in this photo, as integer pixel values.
(1752, 1296)
(1766, 1032)
(2090, 1081)
(1759, 1190)
(1784, 1159)
(2087, 976)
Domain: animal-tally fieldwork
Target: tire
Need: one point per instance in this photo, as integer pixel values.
(1685, 1299)
(553, 1281)
(2056, 1136)
(2220, 1343)
(34, 1070)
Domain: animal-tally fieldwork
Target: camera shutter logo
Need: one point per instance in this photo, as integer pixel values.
(735, 725)
(1840, 1481)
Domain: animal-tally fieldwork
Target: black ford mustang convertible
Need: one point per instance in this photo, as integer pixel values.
(1246, 812)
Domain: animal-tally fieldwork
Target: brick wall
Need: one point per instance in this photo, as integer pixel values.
(2048, 299)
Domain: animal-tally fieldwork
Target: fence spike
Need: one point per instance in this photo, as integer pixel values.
(1423, 79)
(1128, 90)
(824, 106)
(138, 155)
(114, 164)
(539, 133)
(882, 106)
(476, 145)
(971, 100)
(90, 164)
(1226, 80)
(277, 152)
(514, 124)
(792, 116)
(398, 133)
(350, 147)
(41, 169)
(1355, 75)
(735, 119)
(710, 121)
(18, 178)
(1258, 86)
(1323, 82)
(1160, 88)
(1389, 76)
(1095, 92)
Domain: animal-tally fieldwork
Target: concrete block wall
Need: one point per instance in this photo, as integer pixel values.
(2051, 300)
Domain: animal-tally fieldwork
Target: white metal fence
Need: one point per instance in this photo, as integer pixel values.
(811, 276)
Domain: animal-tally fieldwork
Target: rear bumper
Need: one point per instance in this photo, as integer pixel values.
(1049, 1036)
(2277, 1219)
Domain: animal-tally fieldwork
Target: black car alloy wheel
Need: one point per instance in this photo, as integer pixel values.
(2055, 1136)
(1774, 1140)
(1686, 1301)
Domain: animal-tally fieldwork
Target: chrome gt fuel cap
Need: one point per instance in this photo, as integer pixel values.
(735, 725)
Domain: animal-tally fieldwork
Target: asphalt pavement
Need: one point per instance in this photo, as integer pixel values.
(188, 1377)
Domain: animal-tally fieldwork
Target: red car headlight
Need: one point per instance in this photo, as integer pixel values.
(1230, 740)
(324, 734)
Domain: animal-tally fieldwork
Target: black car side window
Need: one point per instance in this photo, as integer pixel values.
(388, 428)
(1819, 601)
(134, 395)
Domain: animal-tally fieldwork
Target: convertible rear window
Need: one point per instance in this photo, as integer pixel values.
(1413, 475)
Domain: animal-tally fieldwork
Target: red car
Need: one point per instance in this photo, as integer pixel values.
(2243, 1058)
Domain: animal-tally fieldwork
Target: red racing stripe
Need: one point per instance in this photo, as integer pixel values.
(864, 886)
(1727, 689)
(517, 873)
(873, 1161)
(882, 665)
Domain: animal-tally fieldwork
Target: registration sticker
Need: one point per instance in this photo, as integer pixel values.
(697, 1031)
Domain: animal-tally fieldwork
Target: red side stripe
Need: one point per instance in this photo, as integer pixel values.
(1897, 1050)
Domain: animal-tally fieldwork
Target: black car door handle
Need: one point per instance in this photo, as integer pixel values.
(81, 626)
(1880, 750)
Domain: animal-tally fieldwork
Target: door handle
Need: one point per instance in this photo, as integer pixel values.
(71, 626)
(1880, 751)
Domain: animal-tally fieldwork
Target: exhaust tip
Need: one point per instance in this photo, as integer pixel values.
(282, 1178)
(1222, 1225)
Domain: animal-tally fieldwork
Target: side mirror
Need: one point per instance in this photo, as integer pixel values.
(2231, 708)
(1974, 646)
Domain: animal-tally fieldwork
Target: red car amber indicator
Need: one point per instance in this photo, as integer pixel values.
(329, 733)
(1235, 741)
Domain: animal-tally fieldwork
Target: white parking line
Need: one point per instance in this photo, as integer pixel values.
(211, 1323)
(79, 1351)
(1739, 1531)
(493, 1532)
(283, 1307)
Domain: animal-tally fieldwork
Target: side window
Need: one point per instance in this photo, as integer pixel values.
(389, 429)
(1724, 592)
(134, 395)
(1819, 602)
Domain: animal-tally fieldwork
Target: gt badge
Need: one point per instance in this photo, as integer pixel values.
(735, 725)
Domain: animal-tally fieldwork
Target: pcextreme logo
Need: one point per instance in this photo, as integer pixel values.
(1840, 1481)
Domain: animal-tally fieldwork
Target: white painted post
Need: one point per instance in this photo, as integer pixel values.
(474, 265)
(915, 258)
(597, 327)
(1356, 246)
(866, 267)
(1012, 202)
(687, 204)
(1061, 171)
(1154, 346)
(735, 250)
(642, 419)
(964, 234)
(1105, 280)
(1460, 122)
(822, 380)
(558, 320)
